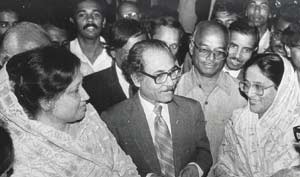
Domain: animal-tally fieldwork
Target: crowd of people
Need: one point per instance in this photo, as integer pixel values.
(121, 89)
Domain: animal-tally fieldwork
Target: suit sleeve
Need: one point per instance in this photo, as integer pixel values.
(123, 164)
(204, 158)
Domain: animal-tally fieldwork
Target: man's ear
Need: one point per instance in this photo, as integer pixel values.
(136, 79)
(47, 105)
(71, 20)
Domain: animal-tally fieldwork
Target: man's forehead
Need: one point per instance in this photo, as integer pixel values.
(259, 2)
(84, 5)
(128, 8)
(156, 57)
(208, 32)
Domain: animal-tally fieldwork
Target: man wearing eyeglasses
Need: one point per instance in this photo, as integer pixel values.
(206, 82)
(164, 134)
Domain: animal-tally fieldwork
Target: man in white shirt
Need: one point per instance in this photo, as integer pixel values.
(258, 13)
(89, 18)
(155, 114)
(243, 40)
(109, 86)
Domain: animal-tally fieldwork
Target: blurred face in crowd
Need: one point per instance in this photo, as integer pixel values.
(275, 40)
(170, 36)
(122, 53)
(258, 12)
(157, 61)
(130, 11)
(259, 103)
(89, 19)
(7, 20)
(240, 49)
(225, 18)
(209, 51)
(57, 35)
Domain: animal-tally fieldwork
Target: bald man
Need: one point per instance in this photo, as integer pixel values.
(208, 84)
(22, 37)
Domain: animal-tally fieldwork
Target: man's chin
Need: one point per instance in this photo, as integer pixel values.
(167, 97)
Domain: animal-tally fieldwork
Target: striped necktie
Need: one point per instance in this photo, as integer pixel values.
(163, 144)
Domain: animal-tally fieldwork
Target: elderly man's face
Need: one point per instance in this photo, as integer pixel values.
(258, 12)
(89, 19)
(156, 62)
(7, 20)
(209, 51)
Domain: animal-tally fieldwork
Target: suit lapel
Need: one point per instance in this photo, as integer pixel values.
(177, 128)
(142, 136)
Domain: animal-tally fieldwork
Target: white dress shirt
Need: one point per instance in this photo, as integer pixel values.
(123, 82)
(233, 73)
(150, 115)
(103, 61)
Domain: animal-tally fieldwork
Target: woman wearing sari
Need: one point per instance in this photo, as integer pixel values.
(259, 138)
(55, 133)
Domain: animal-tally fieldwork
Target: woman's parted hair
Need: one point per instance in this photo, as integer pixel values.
(270, 64)
(41, 73)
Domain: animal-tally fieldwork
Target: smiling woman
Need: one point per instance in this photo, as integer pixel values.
(54, 131)
(259, 138)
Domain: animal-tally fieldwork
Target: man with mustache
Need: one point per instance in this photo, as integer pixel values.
(258, 13)
(216, 91)
(164, 134)
(89, 18)
(243, 40)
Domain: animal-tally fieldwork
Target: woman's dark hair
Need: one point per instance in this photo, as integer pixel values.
(270, 64)
(6, 149)
(41, 74)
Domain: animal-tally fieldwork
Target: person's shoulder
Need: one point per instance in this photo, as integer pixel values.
(230, 79)
(119, 114)
(185, 84)
(99, 75)
(120, 109)
(186, 103)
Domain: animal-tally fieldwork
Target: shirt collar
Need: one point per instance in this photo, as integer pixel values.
(148, 106)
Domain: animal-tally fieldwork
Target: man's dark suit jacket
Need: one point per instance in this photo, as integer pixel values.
(127, 121)
(104, 89)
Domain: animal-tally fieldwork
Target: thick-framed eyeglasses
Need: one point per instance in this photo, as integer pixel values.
(258, 88)
(219, 55)
(161, 78)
